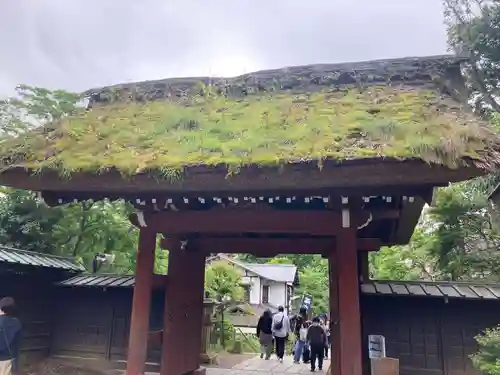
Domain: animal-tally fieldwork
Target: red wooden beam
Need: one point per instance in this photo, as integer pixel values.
(183, 313)
(236, 222)
(268, 247)
(348, 308)
(139, 321)
(319, 223)
(159, 281)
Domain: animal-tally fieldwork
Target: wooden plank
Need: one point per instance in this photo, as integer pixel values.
(246, 221)
(345, 176)
(266, 246)
(363, 265)
(351, 348)
(141, 303)
(183, 312)
(272, 246)
(224, 222)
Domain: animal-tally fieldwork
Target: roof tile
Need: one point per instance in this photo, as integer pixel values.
(29, 258)
(397, 288)
(441, 289)
(449, 291)
(483, 292)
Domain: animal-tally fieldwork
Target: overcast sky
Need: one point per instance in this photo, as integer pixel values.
(79, 44)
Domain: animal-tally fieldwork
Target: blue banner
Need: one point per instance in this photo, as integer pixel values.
(306, 302)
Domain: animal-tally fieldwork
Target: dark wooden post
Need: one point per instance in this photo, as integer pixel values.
(364, 266)
(141, 303)
(183, 318)
(344, 302)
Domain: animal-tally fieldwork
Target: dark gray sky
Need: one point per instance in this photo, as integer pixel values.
(79, 44)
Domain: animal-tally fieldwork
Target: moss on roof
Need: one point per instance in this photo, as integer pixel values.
(267, 128)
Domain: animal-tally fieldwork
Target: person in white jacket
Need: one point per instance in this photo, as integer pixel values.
(281, 329)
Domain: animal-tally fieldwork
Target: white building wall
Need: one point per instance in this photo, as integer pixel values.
(277, 294)
(255, 291)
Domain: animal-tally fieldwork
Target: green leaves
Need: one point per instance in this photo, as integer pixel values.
(456, 239)
(223, 282)
(78, 230)
(487, 358)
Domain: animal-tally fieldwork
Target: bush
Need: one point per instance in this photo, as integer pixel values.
(223, 333)
(487, 358)
(237, 347)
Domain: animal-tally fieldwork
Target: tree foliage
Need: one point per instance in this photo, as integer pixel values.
(487, 358)
(33, 106)
(223, 282)
(314, 282)
(474, 32)
(78, 230)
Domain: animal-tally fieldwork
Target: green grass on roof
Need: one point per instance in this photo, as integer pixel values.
(278, 128)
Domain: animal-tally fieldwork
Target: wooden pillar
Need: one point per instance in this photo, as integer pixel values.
(183, 318)
(334, 315)
(141, 303)
(364, 266)
(344, 305)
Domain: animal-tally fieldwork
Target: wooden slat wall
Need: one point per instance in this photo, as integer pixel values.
(94, 322)
(430, 336)
(34, 307)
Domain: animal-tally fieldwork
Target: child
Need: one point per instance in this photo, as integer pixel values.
(316, 337)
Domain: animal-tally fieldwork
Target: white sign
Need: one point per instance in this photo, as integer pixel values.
(376, 346)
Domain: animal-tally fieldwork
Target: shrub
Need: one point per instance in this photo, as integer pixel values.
(487, 358)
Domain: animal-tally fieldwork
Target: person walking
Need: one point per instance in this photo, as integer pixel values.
(281, 329)
(301, 343)
(328, 337)
(10, 336)
(323, 322)
(316, 337)
(265, 334)
(300, 319)
(297, 322)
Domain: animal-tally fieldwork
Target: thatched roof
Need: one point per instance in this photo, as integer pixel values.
(411, 108)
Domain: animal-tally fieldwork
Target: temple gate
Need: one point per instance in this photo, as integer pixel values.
(341, 196)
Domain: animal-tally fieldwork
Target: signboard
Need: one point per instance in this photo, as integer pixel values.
(306, 302)
(376, 346)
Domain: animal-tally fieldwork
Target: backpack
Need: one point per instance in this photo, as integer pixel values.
(279, 325)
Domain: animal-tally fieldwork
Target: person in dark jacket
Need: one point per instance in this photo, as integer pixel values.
(300, 320)
(316, 337)
(265, 334)
(10, 335)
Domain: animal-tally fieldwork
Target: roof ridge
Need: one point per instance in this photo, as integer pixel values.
(342, 66)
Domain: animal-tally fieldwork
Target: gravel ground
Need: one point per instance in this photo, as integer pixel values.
(55, 367)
